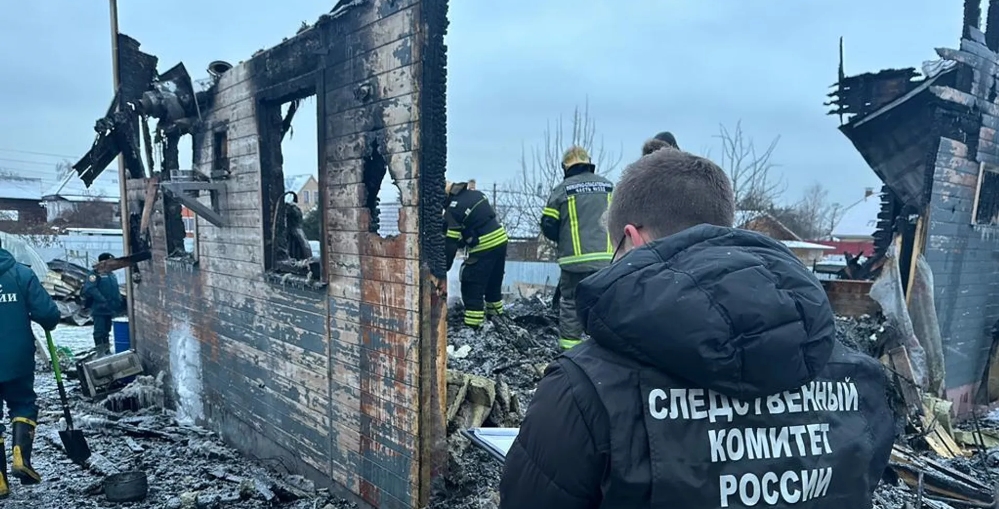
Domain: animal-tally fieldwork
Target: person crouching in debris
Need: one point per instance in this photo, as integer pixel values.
(713, 377)
(472, 224)
(662, 140)
(22, 300)
(103, 296)
(572, 219)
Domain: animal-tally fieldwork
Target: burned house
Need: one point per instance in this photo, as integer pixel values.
(932, 139)
(329, 362)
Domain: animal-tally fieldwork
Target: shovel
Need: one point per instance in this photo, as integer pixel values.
(73, 440)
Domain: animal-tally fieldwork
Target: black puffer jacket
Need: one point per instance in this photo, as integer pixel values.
(733, 315)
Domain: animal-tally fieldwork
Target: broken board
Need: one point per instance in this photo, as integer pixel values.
(496, 441)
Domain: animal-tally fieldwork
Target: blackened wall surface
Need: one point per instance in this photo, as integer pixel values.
(962, 254)
(929, 147)
(330, 381)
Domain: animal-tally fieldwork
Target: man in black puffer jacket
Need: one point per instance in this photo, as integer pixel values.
(713, 379)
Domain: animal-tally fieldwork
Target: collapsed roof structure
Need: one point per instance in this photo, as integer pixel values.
(933, 139)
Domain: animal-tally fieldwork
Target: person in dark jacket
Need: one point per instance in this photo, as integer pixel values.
(572, 219)
(713, 378)
(103, 295)
(472, 224)
(22, 300)
(662, 140)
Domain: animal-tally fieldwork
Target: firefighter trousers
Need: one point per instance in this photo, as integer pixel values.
(570, 328)
(482, 284)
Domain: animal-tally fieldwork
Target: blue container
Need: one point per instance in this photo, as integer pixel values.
(122, 341)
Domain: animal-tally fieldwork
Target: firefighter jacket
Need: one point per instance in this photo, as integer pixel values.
(573, 219)
(471, 224)
(102, 294)
(22, 300)
(713, 379)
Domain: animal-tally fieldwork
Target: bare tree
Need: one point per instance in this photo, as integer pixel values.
(519, 202)
(817, 215)
(754, 181)
(813, 216)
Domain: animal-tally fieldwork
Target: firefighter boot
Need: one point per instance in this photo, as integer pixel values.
(24, 438)
(4, 483)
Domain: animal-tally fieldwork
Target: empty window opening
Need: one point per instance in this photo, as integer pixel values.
(173, 210)
(220, 153)
(292, 183)
(382, 197)
(173, 219)
(987, 199)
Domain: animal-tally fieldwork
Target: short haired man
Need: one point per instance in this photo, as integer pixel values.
(713, 377)
(572, 219)
(22, 301)
(103, 295)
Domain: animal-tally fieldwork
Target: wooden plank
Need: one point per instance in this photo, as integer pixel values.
(919, 238)
(898, 358)
(978, 193)
(937, 437)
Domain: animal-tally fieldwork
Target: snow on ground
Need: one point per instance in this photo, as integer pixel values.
(78, 339)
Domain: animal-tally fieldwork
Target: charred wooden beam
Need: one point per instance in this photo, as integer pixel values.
(992, 26)
(186, 194)
(972, 17)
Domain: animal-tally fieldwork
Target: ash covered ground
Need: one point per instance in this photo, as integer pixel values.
(187, 467)
(513, 355)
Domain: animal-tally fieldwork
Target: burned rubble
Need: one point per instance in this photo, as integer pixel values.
(185, 466)
(492, 375)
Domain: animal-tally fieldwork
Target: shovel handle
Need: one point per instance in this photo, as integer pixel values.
(58, 376)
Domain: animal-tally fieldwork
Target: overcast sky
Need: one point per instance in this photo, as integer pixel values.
(645, 65)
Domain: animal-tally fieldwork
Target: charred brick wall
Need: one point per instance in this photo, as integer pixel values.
(339, 381)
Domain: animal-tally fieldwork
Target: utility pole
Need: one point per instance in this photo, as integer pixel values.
(122, 178)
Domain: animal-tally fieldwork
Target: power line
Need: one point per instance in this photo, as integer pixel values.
(22, 161)
(45, 154)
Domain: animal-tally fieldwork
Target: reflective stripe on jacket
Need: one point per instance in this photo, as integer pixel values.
(472, 224)
(572, 218)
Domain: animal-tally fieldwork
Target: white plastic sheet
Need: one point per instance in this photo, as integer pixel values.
(923, 313)
(25, 254)
(887, 291)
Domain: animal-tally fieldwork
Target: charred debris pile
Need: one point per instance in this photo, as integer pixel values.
(492, 375)
(64, 282)
(186, 467)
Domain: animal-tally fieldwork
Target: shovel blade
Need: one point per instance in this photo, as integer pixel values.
(76, 446)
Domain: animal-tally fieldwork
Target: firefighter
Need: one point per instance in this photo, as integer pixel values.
(22, 300)
(471, 224)
(103, 296)
(713, 377)
(573, 219)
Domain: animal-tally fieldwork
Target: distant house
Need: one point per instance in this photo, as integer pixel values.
(762, 222)
(854, 233)
(72, 203)
(189, 221)
(306, 189)
(20, 204)
(388, 218)
(758, 221)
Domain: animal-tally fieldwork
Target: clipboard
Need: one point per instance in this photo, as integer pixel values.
(496, 441)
